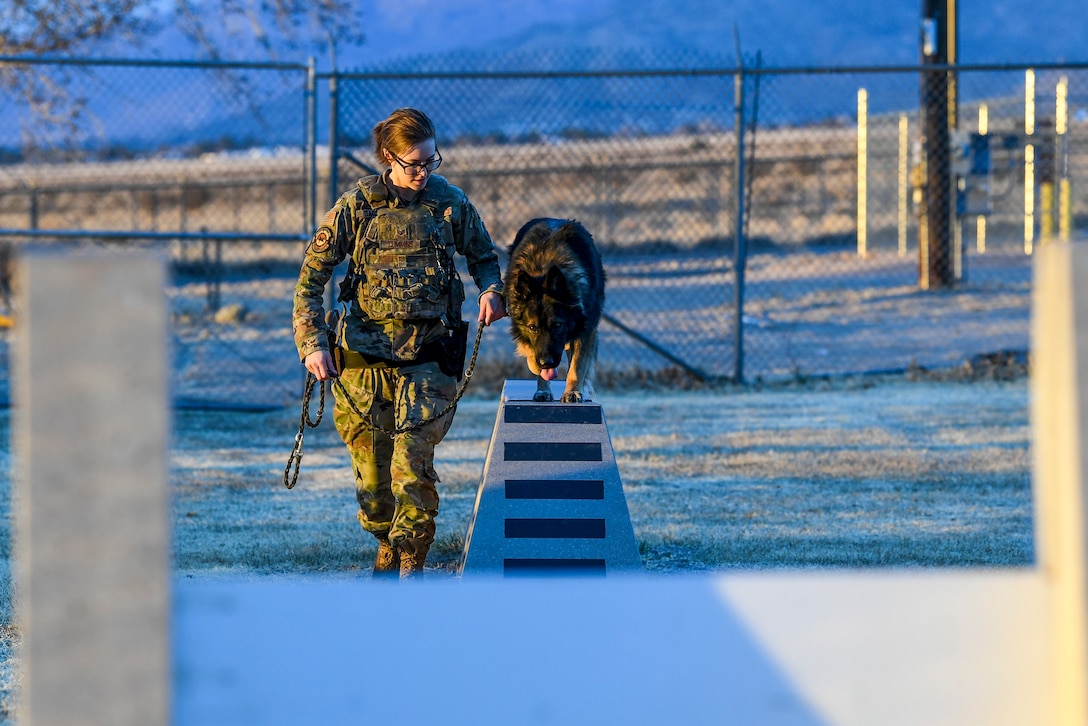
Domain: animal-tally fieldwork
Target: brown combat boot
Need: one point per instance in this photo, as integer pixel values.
(411, 564)
(388, 561)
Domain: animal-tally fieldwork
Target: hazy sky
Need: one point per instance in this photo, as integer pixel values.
(786, 32)
(808, 31)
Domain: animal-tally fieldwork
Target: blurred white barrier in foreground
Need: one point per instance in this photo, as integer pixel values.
(90, 491)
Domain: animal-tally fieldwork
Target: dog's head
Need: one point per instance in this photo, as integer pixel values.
(545, 313)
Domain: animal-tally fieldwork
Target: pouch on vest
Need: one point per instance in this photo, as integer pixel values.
(332, 320)
(453, 348)
(406, 270)
(349, 286)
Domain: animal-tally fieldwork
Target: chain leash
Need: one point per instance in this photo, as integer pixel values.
(290, 474)
(410, 426)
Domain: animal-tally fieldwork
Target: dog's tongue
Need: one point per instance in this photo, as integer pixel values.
(548, 374)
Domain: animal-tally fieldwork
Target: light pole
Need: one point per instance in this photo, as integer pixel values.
(938, 109)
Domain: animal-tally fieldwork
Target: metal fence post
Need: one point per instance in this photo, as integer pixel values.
(311, 147)
(1061, 128)
(32, 223)
(334, 139)
(334, 143)
(740, 251)
(863, 172)
(937, 95)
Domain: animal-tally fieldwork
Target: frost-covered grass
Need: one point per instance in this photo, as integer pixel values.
(865, 472)
(869, 472)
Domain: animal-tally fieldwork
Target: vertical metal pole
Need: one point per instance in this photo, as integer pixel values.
(904, 181)
(1061, 126)
(217, 274)
(951, 57)
(270, 207)
(957, 228)
(334, 144)
(32, 223)
(1029, 199)
(1046, 209)
(980, 220)
(957, 184)
(334, 127)
(1029, 161)
(1065, 209)
(311, 146)
(183, 212)
(936, 233)
(740, 251)
(307, 89)
(863, 159)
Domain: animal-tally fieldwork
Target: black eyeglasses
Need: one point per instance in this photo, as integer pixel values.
(413, 168)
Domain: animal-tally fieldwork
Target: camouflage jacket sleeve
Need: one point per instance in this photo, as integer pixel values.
(331, 243)
(474, 242)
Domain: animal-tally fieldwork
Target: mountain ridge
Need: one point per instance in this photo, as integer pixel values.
(786, 33)
(610, 35)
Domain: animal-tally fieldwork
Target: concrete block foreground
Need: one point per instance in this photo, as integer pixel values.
(941, 649)
(92, 537)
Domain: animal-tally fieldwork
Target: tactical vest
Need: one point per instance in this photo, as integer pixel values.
(404, 259)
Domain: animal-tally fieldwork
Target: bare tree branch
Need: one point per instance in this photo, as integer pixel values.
(41, 27)
(276, 26)
(220, 30)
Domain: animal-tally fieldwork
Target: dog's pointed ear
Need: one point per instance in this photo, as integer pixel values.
(557, 287)
(520, 283)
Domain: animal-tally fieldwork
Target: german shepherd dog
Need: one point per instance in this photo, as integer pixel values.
(554, 294)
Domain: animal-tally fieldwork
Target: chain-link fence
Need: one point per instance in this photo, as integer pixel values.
(892, 214)
(204, 163)
(791, 223)
(643, 159)
(842, 268)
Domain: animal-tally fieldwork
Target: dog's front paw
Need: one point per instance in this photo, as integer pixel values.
(543, 397)
(572, 397)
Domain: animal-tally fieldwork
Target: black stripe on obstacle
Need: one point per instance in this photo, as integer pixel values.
(554, 489)
(554, 528)
(529, 567)
(552, 413)
(550, 451)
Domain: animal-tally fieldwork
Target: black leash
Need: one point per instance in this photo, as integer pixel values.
(290, 474)
(294, 462)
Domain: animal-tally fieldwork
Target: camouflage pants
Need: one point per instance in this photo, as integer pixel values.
(394, 476)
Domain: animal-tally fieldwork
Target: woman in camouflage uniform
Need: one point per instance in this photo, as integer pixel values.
(404, 299)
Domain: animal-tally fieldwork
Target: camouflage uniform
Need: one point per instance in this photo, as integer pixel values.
(407, 293)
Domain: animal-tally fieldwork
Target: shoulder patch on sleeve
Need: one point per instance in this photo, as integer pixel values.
(322, 239)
